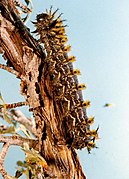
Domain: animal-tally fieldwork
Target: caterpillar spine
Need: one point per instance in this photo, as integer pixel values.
(66, 89)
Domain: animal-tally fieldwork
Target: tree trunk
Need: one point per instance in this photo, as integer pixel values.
(22, 52)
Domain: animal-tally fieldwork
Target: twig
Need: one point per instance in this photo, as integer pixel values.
(18, 141)
(18, 116)
(24, 8)
(3, 152)
(4, 67)
(2, 156)
(13, 140)
(14, 105)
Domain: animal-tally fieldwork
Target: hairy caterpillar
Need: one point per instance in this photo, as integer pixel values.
(66, 89)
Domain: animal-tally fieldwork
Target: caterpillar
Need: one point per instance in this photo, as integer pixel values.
(66, 89)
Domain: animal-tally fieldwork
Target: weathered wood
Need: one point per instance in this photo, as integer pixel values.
(22, 52)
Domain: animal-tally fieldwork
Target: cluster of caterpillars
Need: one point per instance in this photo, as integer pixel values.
(67, 92)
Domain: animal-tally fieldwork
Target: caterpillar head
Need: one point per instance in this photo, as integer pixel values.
(42, 17)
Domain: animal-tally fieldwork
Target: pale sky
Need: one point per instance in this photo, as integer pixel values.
(99, 35)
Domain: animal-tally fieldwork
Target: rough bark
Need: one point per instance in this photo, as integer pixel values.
(22, 52)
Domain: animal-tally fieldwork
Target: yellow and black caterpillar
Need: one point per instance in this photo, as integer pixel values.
(67, 92)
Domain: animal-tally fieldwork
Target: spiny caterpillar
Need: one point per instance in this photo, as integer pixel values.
(67, 92)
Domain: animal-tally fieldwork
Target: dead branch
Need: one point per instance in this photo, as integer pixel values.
(18, 116)
(5, 67)
(2, 156)
(18, 141)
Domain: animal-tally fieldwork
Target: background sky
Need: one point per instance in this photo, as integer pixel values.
(98, 31)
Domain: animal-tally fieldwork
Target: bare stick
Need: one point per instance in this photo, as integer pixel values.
(3, 152)
(4, 67)
(24, 8)
(14, 105)
(2, 156)
(18, 116)
(18, 140)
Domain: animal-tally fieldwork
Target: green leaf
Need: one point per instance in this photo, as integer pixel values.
(6, 118)
(33, 157)
(10, 130)
(25, 131)
(20, 163)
